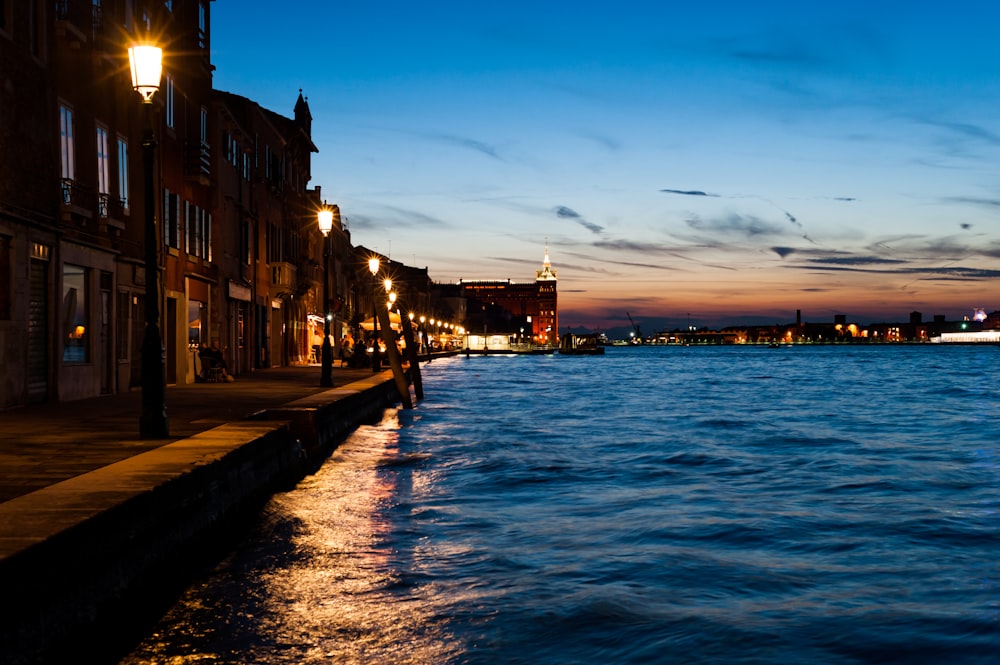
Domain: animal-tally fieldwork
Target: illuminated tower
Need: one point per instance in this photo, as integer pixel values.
(546, 324)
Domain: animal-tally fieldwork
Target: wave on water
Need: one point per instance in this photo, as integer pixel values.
(827, 505)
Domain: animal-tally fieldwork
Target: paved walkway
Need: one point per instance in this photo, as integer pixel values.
(44, 444)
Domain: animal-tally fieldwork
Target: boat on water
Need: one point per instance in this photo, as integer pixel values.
(581, 345)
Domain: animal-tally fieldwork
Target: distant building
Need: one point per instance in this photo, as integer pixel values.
(520, 309)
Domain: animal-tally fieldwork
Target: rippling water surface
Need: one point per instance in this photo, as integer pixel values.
(655, 505)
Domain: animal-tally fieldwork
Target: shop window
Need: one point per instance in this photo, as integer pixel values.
(76, 340)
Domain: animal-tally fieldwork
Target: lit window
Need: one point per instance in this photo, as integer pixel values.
(103, 162)
(123, 174)
(66, 151)
(75, 307)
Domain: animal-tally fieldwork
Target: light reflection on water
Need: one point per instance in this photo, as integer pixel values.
(318, 582)
(682, 505)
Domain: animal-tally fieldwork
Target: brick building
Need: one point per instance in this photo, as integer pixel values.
(505, 306)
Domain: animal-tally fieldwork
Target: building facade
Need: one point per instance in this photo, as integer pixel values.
(241, 259)
(520, 309)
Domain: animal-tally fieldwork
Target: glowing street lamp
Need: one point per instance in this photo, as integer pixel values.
(373, 266)
(146, 66)
(325, 218)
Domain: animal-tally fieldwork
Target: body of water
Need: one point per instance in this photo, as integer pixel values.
(656, 505)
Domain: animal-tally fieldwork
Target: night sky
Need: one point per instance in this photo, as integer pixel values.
(723, 161)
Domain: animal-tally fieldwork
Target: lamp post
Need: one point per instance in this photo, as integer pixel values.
(326, 355)
(373, 265)
(423, 336)
(146, 65)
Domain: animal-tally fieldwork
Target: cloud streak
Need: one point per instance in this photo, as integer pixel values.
(564, 212)
(689, 192)
(481, 147)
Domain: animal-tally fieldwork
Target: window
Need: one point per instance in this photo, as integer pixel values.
(190, 218)
(123, 174)
(246, 167)
(75, 308)
(183, 221)
(122, 321)
(66, 150)
(199, 231)
(103, 171)
(169, 103)
(246, 242)
(171, 220)
(202, 25)
(196, 323)
(204, 126)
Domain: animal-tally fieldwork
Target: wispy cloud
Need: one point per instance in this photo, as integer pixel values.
(972, 200)
(568, 213)
(611, 143)
(744, 225)
(964, 129)
(395, 217)
(688, 192)
(757, 223)
(468, 143)
(855, 260)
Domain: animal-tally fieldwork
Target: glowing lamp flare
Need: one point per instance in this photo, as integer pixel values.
(146, 64)
(325, 221)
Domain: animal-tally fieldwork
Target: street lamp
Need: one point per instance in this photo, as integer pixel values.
(146, 65)
(373, 265)
(326, 356)
(423, 335)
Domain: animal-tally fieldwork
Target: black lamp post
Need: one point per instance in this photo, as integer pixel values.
(373, 266)
(146, 64)
(326, 356)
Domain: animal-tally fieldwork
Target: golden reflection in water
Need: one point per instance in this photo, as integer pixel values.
(341, 597)
(340, 590)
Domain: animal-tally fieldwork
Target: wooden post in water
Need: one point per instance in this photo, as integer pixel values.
(411, 354)
(394, 360)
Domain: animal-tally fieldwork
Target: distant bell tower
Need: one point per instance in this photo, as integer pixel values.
(546, 273)
(545, 325)
(303, 118)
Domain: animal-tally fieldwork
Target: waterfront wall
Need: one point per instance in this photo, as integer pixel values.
(87, 563)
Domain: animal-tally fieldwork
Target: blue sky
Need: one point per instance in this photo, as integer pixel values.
(720, 161)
